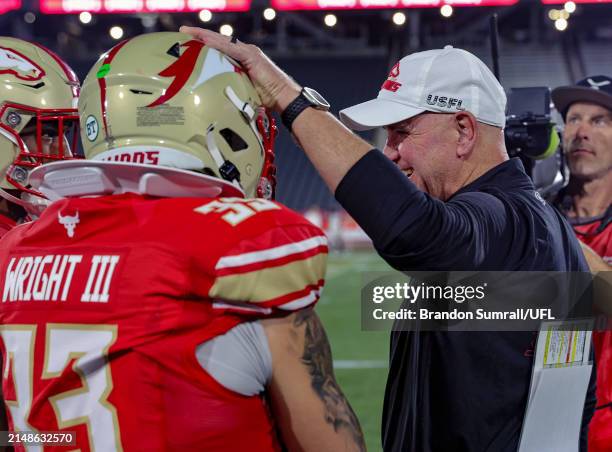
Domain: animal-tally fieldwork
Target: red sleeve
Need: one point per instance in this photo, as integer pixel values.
(267, 260)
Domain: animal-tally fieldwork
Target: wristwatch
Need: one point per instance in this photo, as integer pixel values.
(308, 98)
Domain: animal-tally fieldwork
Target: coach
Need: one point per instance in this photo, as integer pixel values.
(445, 197)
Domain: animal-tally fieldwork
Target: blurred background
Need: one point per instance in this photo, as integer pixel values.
(344, 49)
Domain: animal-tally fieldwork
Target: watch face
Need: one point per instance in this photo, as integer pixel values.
(315, 98)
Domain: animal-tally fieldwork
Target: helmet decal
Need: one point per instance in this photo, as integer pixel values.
(19, 65)
(102, 82)
(215, 64)
(73, 80)
(181, 70)
(91, 128)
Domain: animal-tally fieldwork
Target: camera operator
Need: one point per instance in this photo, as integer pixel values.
(587, 203)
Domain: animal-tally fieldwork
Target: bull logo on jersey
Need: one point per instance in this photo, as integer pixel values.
(69, 222)
(14, 63)
(389, 84)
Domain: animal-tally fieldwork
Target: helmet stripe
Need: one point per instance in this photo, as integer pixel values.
(102, 81)
(70, 74)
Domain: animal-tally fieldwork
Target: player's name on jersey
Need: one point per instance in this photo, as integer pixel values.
(50, 277)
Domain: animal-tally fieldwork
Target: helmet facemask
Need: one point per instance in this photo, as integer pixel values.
(48, 135)
(266, 126)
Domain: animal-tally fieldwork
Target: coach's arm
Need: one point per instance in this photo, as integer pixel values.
(602, 273)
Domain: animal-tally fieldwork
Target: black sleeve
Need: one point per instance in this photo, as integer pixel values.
(412, 230)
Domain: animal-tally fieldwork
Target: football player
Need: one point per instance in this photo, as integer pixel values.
(38, 100)
(158, 305)
(38, 119)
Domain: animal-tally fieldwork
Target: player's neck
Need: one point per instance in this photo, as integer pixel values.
(590, 198)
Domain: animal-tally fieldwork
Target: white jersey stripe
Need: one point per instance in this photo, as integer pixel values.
(301, 302)
(253, 257)
(242, 307)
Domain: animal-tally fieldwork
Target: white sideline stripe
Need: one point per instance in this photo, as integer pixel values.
(271, 253)
(301, 302)
(359, 364)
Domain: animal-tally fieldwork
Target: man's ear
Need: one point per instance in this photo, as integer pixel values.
(468, 133)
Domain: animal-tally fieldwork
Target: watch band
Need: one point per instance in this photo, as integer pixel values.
(293, 110)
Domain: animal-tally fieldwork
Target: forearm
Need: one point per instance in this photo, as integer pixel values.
(308, 405)
(331, 147)
(602, 279)
(595, 262)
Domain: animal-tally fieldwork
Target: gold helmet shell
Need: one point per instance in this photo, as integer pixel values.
(167, 99)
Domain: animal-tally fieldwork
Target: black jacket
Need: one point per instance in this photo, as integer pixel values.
(460, 391)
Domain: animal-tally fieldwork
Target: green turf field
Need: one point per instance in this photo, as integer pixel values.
(360, 356)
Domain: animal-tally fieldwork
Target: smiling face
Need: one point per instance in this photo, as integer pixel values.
(425, 149)
(587, 140)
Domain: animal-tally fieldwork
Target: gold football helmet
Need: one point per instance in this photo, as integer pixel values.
(166, 99)
(38, 115)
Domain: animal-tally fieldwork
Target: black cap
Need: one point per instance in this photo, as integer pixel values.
(596, 89)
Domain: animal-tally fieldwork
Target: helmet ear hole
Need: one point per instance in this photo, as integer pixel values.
(140, 91)
(235, 141)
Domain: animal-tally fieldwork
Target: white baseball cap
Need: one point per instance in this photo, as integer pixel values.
(441, 81)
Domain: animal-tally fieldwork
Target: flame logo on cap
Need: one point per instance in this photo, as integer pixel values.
(389, 84)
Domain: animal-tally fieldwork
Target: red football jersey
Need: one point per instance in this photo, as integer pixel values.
(6, 224)
(599, 240)
(600, 431)
(104, 301)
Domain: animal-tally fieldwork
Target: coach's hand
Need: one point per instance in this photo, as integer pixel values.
(330, 146)
(274, 86)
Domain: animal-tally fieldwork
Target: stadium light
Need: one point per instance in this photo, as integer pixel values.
(269, 13)
(116, 32)
(561, 24)
(205, 15)
(399, 19)
(446, 10)
(85, 17)
(570, 7)
(226, 30)
(553, 14)
(330, 20)
(29, 17)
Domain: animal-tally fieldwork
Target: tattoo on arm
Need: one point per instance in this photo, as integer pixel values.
(317, 358)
